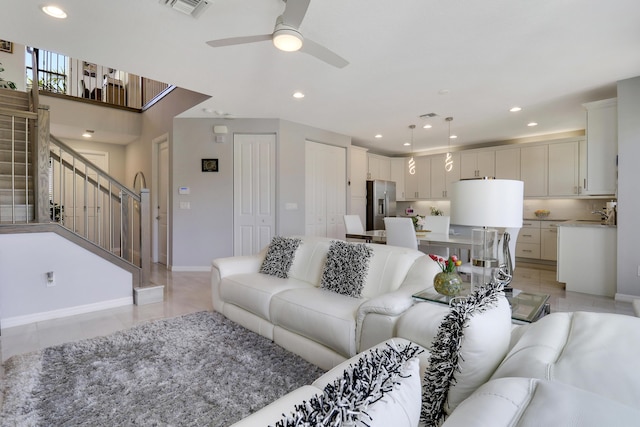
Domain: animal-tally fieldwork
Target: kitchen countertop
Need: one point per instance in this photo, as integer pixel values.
(585, 223)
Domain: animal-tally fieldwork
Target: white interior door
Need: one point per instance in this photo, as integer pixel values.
(254, 181)
(162, 201)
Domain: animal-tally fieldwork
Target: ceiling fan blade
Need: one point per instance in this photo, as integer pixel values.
(294, 12)
(323, 54)
(238, 40)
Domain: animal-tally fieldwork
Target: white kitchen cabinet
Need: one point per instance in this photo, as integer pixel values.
(398, 166)
(507, 163)
(602, 147)
(441, 180)
(528, 242)
(325, 190)
(587, 258)
(477, 164)
(548, 240)
(533, 170)
(379, 167)
(564, 167)
(418, 185)
(358, 181)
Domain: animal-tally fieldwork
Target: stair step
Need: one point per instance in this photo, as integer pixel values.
(14, 99)
(6, 155)
(7, 197)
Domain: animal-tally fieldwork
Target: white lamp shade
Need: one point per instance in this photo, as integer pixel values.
(487, 203)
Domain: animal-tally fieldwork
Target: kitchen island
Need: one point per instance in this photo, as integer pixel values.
(587, 257)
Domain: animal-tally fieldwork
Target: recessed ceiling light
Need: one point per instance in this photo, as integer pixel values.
(378, 136)
(406, 144)
(298, 95)
(532, 124)
(427, 126)
(453, 136)
(54, 11)
(515, 109)
(88, 133)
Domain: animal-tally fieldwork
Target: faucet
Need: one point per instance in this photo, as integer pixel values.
(604, 215)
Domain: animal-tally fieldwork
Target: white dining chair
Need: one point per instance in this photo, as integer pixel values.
(436, 224)
(400, 232)
(353, 224)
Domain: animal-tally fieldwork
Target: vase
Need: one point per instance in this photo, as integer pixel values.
(447, 283)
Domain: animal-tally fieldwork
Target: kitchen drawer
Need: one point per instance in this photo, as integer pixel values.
(528, 250)
(529, 235)
(527, 223)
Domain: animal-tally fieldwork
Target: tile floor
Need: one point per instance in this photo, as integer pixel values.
(188, 292)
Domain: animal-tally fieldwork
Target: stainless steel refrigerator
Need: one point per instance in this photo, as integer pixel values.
(381, 202)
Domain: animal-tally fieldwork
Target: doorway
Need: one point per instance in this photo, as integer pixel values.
(160, 200)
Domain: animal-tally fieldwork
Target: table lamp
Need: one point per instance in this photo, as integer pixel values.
(488, 203)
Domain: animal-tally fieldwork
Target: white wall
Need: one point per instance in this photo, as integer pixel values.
(83, 281)
(115, 152)
(628, 196)
(205, 231)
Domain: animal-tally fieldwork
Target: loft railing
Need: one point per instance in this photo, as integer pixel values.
(61, 75)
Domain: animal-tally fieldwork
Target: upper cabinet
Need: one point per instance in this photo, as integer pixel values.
(418, 184)
(477, 164)
(507, 163)
(359, 171)
(398, 165)
(379, 167)
(565, 168)
(533, 170)
(602, 147)
(441, 179)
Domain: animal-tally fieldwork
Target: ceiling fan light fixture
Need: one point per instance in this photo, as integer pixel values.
(287, 39)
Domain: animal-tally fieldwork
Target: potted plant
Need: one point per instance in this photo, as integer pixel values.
(6, 84)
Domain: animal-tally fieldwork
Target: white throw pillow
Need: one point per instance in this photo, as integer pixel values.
(471, 341)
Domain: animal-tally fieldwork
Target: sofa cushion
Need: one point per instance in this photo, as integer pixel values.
(320, 315)
(471, 341)
(523, 402)
(380, 388)
(253, 292)
(565, 347)
(280, 256)
(388, 268)
(346, 268)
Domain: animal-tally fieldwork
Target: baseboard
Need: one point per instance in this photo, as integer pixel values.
(65, 312)
(188, 268)
(626, 297)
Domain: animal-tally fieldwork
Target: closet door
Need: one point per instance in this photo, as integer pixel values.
(254, 190)
(325, 190)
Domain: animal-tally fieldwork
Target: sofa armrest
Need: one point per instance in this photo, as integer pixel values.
(389, 307)
(223, 267)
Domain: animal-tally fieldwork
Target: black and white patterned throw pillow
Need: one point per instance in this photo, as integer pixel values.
(375, 379)
(346, 268)
(487, 338)
(280, 255)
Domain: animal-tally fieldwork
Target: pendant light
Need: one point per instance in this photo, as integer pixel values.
(448, 160)
(411, 164)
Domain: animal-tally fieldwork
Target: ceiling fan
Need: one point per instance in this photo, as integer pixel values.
(286, 36)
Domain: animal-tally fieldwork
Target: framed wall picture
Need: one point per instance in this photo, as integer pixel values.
(6, 46)
(209, 165)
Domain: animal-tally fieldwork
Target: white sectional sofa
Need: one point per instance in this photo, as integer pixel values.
(476, 369)
(322, 326)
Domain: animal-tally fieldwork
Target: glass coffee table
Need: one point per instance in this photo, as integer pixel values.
(525, 307)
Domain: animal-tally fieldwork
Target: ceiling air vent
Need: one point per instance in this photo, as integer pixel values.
(188, 7)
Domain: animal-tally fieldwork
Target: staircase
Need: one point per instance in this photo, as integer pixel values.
(16, 182)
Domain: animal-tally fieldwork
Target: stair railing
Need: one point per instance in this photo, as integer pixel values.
(88, 201)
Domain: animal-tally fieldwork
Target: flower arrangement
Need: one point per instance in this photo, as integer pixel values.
(436, 212)
(447, 265)
(418, 222)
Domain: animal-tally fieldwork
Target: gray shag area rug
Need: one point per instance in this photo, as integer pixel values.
(196, 370)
